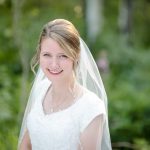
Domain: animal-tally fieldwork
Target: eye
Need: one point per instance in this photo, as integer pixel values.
(46, 54)
(63, 57)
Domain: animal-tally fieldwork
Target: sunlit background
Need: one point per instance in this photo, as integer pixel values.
(118, 34)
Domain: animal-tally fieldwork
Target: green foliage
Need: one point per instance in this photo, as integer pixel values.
(9, 109)
(141, 144)
(8, 140)
(128, 89)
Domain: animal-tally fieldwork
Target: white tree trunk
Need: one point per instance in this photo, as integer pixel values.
(125, 16)
(93, 18)
(20, 44)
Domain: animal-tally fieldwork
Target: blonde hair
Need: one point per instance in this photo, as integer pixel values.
(65, 34)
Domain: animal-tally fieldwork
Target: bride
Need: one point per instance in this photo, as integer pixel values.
(67, 106)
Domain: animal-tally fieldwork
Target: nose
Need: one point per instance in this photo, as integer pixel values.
(54, 63)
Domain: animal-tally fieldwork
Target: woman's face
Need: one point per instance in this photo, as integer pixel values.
(54, 61)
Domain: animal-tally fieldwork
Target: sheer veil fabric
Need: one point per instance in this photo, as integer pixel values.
(88, 76)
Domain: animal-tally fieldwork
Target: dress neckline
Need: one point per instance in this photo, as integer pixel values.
(63, 110)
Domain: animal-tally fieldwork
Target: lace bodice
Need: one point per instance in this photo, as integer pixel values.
(61, 130)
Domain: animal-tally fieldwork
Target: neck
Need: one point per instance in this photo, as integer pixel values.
(61, 90)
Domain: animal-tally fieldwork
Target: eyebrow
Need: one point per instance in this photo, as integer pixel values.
(50, 53)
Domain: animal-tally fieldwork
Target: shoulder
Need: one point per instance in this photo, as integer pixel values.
(92, 107)
(91, 102)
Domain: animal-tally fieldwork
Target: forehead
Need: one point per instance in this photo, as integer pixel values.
(50, 45)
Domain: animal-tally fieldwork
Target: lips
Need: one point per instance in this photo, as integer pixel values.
(55, 72)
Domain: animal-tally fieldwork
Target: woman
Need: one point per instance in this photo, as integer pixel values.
(67, 107)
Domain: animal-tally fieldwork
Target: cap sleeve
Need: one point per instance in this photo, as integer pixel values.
(92, 107)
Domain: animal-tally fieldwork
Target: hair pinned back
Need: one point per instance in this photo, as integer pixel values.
(65, 34)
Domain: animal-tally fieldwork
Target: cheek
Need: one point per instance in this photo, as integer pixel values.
(43, 62)
(44, 59)
(69, 64)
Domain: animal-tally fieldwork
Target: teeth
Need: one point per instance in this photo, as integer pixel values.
(54, 72)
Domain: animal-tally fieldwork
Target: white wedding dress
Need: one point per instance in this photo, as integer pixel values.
(61, 130)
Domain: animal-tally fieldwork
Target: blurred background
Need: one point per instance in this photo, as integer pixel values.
(118, 34)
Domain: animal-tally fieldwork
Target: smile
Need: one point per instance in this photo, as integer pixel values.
(54, 72)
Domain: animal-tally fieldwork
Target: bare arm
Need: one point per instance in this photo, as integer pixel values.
(92, 134)
(25, 143)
